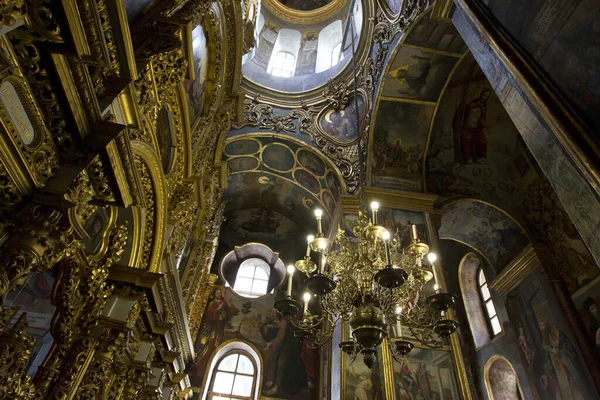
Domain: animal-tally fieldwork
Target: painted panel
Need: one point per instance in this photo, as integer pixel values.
(426, 374)
(475, 149)
(417, 74)
(397, 156)
(342, 125)
(165, 136)
(550, 357)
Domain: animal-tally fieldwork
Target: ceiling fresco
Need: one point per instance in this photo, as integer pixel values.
(484, 228)
(273, 187)
(414, 80)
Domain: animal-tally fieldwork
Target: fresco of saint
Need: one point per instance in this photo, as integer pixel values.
(470, 143)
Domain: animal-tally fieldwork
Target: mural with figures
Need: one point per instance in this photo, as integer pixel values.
(549, 222)
(341, 126)
(485, 229)
(397, 156)
(413, 82)
(550, 357)
(475, 149)
(587, 301)
(290, 369)
(426, 374)
(417, 74)
(195, 88)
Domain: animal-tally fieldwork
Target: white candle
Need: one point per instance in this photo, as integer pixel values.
(290, 270)
(432, 257)
(309, 240)
(399, 322)
(374, 207)
(306, 300)
(319, 214)
(386, 243)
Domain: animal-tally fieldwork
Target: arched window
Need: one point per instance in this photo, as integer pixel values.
(329, 46)
(234, 377)
(488, 303)
(336, 56)
(285, 51)
(252, 278)
(283, 64)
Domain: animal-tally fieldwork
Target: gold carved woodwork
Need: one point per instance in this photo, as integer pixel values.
(15, 345)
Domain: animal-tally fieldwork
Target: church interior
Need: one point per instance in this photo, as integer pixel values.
(300, 199)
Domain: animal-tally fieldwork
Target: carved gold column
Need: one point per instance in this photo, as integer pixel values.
(556, 279)
(15, 347)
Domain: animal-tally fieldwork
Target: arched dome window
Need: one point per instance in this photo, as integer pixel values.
(329, 47)
(233, 377)
(285, 51)
(252, 278)
(283, 64)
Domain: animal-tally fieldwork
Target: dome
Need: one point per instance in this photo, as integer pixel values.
(300, 44)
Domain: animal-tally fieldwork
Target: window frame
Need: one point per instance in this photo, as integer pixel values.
(260, 265)
(273, 67)
(211, 394)
(485, 301)
(337, 54)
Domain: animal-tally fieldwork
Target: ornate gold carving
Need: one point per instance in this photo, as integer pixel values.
(386, 29)
(15, 345)
(11, 12)
(39, 238)
(149, 199)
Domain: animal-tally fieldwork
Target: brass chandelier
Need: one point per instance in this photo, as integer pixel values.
(371, 280)
(376, 283)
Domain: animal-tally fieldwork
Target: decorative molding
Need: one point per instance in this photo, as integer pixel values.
(518, 269)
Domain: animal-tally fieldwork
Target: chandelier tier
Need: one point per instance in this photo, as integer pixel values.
(375, 282)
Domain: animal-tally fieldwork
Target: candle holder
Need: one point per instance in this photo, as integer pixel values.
(403, 347)
(442, 301)
(306, 266)
(348, 347)
(320, 285)
(445, 327)
(391, 277)
(288, 306)
(320, 243)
